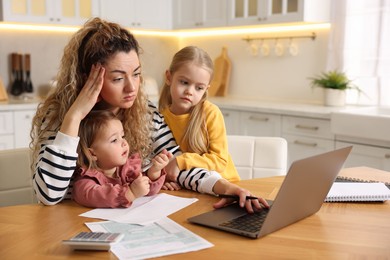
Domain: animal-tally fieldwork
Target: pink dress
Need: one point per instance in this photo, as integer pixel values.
(92, 188)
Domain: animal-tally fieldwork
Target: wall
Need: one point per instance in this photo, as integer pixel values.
(272, 77)
(46, 50)
(278, 78)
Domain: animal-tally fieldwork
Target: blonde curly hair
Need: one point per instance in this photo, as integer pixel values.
(95, 42)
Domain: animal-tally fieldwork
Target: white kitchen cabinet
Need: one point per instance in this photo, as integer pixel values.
(23, 123)
(367, 155)
(260, 124)
(306, 136)
(300, 146)
(15, 125)
(232, 119)
(252, 12)
(199, 13)
(138, 14)
(64, 12)
(6, 130)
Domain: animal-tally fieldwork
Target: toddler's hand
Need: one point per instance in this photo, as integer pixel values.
(161, 160)
(140, 186)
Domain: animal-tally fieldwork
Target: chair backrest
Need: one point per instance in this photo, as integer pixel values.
(16, 177)
(257, 157)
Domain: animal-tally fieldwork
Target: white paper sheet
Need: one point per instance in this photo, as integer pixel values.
(144, 210)
(163, 237)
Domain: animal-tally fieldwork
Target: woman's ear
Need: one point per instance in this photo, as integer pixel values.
(92, 154)
(168, 77)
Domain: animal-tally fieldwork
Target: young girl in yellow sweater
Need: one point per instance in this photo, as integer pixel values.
(197, 124)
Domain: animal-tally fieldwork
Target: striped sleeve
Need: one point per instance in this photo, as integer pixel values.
(199, 180)
(54, 169)
(162, 137)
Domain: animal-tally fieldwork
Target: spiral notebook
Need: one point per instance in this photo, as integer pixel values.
(357, 192)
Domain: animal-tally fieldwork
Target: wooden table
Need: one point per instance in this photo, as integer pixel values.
(337, 231)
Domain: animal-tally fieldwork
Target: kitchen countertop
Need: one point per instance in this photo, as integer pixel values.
(20, 104)
(263, 106)
(277, 107)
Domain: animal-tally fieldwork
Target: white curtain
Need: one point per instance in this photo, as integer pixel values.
(359, 45)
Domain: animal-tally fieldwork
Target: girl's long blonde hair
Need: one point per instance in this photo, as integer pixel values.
(196, 135)
(95, 42)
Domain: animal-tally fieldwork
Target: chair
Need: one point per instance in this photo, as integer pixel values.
(257, 157)
(15, 177)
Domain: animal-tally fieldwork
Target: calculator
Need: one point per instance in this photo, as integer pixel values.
(93, 240)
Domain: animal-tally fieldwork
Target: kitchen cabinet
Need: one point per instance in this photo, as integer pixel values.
(231, 118)
(23, 124)
(259, 124)
(15, 125)
(64, 12)
(251, 123)
(306, 136)
(252, 12)
(6, 130)
(199, 13)
(306, 128)
(367, 155)
(138, 14)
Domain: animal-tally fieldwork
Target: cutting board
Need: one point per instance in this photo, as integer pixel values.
(3, 92)
(222, 68)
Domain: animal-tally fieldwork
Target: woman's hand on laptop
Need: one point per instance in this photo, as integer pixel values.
(251, 204)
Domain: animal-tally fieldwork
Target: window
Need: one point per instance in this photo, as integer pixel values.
(360, 46)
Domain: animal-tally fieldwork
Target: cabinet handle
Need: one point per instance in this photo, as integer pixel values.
(307, 127)
(263, 119)
(305, 143)
(387, 156)
(226, 114)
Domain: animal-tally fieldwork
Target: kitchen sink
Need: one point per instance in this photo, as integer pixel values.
(367, 122)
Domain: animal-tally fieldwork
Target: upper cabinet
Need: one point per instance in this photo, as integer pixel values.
(166, 14)
(199, 13)
(64, 12)
(138, 14)
(252, 12)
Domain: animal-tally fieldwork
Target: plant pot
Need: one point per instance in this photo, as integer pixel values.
(334, 97)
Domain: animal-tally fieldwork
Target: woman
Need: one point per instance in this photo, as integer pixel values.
(100, 69)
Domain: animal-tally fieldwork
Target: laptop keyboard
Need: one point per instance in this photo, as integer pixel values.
(248, 222)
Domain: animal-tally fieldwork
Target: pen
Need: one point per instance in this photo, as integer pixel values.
(172, 150)
(236, 197)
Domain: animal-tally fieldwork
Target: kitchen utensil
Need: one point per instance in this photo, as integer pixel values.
(28, 87)
(279, 49)
(3, 92)
(222, 68)
(253, 49)
(264, 49)
(293, 48)
(17, 85)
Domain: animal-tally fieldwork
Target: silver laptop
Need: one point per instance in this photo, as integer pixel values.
(302, 193)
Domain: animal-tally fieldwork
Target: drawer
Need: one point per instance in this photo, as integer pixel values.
(300, 147)
(6, 123)
(260, 124)
(6, 142)
(307, 126)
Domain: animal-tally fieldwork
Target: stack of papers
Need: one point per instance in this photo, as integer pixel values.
(148, 231)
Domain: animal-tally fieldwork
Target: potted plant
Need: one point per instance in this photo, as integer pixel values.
(335, 83)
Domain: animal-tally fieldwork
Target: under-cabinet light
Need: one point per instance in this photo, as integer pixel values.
(181, 33)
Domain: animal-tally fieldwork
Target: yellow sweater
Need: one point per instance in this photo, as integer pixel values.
(217, 158)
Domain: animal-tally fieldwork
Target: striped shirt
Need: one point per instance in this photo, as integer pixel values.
(52, 179)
